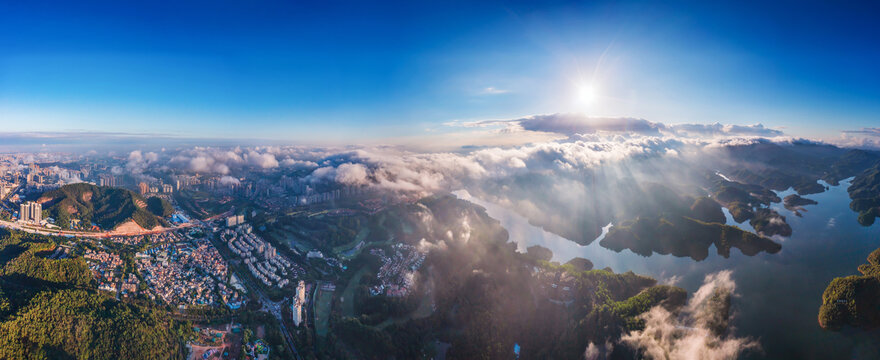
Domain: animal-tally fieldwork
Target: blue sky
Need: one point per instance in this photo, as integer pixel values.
(341, 72)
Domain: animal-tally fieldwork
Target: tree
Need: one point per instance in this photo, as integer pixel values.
(159, 207)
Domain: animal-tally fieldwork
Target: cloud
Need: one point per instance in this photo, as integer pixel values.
(493, 91)
(595, 352)
(865, 138)
(699, 332)
(870, 131)
(352, 174)
(294, 163)
(569, 124)
(718, 129)
(605, 147)
(347, 173)
(262, 160)
(138, 162)
(223, 161)
(229, 180)
(832, 222)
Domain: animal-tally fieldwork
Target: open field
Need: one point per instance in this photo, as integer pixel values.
(347, 297)
(323, 303)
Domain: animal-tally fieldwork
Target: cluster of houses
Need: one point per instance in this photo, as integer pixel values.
(127, 240)
(397, 272)
(557, 286)
(129, 285)
(106, 268)
(261, 257)
(187, 273)
(164, 237)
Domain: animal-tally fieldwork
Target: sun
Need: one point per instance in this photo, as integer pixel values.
(585, 94)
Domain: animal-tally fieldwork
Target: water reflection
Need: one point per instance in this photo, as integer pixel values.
(780, 293)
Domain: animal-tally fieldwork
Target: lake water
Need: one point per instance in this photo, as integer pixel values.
(778, 294)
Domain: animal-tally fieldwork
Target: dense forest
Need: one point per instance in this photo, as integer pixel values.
(107, 207)
(72, 323)
(865, 195)
(853, 300)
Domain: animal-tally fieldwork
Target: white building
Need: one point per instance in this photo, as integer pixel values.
(234, 220)
(299, 302)
(31, 212)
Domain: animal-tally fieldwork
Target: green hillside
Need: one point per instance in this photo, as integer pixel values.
(105, 206)
(865, 195)
(50, 309)
(853, 300)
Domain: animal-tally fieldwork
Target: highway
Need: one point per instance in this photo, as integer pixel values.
(94, 235)
(271, 307)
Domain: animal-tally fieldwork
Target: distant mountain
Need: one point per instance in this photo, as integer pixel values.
(108, 207)
(865, 195)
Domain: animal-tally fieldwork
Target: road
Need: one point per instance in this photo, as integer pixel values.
(271, 307)
(94, 235)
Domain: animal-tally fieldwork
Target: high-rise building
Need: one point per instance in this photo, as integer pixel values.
(299, 302)
(31, 212)
(107, 180)
(234, 220)
(144, 188)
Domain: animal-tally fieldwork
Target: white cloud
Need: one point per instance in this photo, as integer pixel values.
(571, 124)
(869, 131)
(491, 90)
(229, 180)
(262, 160)
(699, 332)
(718, 129)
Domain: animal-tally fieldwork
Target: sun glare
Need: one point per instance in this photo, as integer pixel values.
(585, 94)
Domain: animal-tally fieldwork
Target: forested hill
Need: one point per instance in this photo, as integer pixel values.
(50, 309)
(107, 207)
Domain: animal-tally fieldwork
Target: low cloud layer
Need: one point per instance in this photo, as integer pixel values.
(569, 124)
(579, 124)
(718, 129)
(591, 143)
(864, 138)
(870, 131)
(699, 332)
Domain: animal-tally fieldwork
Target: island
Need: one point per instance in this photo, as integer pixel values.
(768, 222)
(795, 203)
(853, 300)
(688, 227)
(684, 237)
